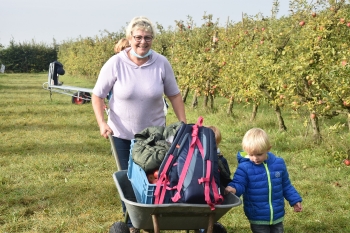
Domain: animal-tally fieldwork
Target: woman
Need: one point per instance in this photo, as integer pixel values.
(138, 77)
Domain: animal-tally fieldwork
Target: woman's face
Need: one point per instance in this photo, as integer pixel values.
(141, 41)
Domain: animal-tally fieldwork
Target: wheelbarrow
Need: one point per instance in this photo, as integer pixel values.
(174, 216)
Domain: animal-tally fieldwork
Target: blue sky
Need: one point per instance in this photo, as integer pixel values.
(43, 20)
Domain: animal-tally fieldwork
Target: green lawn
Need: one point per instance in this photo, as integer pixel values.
(56, 170)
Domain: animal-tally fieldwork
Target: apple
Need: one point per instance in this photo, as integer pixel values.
(346, 104)
(346, 162)
(262, 41)
(223, 63)
(285, 86)
(155, 174)
(341, 20)
(313, 14)
(348, 24)
(189, 27)
(302, 23)
(312, 115)
(309, 82)
(281, 96)
(343, 62)
(262, 29)
(150, 178)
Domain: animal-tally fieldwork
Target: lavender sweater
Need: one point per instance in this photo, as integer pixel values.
(137, 100)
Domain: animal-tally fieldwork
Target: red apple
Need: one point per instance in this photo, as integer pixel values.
(348, 24)
(313, 14)
(262, 41)
(346, 104)
(262, 29)
(189, 27)
(155, 174)
(312, 115)
(302, 23)
(343, 62)
(150, 178)
(341, 20)
(347, 162)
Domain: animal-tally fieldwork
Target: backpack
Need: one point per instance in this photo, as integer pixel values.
(189, 172)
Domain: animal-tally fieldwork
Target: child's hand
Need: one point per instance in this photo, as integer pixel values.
(297, 207)
(229, 189)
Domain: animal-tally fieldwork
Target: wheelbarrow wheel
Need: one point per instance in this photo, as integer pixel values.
(87, 97)
(217, 228)
(119, 227)
(78, 98)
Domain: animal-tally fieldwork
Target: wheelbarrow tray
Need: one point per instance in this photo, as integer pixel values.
(174, 216)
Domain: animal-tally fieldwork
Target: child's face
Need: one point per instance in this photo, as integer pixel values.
(257, 157)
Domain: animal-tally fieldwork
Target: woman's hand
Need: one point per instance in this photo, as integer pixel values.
(105, 130)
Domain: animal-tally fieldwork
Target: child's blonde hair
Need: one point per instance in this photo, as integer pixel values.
(140, 23)
(121, 45)
(217, 134)
(256, 140)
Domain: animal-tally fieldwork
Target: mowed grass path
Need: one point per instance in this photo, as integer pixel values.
(56, 170)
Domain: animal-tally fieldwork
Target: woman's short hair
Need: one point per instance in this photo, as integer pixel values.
(140, 23)
(256, 140)
(121, 45)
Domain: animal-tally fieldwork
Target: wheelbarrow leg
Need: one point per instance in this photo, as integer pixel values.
(211, 223)
(155, 223)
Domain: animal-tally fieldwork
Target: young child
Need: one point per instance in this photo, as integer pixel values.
(262, 178)
(225, 173)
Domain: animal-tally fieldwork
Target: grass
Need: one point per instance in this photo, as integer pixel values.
(56, 170)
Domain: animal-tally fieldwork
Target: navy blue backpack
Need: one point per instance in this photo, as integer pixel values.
(189, 172)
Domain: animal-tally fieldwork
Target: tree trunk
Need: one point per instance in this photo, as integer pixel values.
(194, 100)
(349, 120)
(281, 125)
(230, 106)
(206, 94)
(185, 94)
(315, 128)
(205, 101)
(254, 112)
(211, 102)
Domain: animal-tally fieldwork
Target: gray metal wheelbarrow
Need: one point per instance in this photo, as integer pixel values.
(151, 217)
(174, 216)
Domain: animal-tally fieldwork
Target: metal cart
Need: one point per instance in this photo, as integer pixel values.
(174, 216)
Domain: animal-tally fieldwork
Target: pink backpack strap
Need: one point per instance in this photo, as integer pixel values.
(159, 192)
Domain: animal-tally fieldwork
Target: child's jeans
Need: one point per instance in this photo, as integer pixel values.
(277, 228)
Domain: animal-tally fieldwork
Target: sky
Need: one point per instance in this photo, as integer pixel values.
(42, 21)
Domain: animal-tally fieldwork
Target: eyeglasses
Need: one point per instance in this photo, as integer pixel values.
(146, 38)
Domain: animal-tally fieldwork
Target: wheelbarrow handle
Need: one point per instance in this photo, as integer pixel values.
(114, 152)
